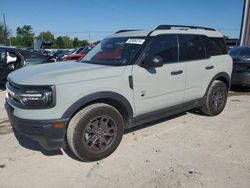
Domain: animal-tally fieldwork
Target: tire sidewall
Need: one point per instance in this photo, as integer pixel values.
(81, 149)
(215, 86)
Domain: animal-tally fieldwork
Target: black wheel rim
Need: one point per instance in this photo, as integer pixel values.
(218, 98)
(10, 68)
(100, 133)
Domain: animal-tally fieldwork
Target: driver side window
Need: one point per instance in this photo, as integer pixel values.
(165, 46)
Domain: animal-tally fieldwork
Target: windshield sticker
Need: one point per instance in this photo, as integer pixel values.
(135, 41)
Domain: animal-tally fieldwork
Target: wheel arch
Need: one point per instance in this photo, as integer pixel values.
(111, 98)
(222, 76)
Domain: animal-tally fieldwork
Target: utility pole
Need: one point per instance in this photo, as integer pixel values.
(245, 24)
(89, 37)
(5, 30)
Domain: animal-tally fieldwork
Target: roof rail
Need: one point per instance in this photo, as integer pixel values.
(168, 27)
(121, 31)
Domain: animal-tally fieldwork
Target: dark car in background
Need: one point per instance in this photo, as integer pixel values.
(241, 66)
(39, 47)
(15, 58)
(231, 43)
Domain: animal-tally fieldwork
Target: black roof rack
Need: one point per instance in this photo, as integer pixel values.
(168, 27)
(121, 31)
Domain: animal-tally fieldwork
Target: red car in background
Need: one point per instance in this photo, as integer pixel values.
(79, 55)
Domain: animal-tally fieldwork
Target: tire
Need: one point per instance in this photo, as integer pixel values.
(95, 132)
(216, 99)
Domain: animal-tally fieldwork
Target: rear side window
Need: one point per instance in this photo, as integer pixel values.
(212, 47)
(219, 43)
(191, 48)
(165, 46)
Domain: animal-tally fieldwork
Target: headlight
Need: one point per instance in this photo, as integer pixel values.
(31, 97)
(36, 97)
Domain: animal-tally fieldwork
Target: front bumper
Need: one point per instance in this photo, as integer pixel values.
(241, 79)
(42, 131)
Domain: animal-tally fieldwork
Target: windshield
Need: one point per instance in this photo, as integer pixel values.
(38, 44)
(85, 50)
(114, 51)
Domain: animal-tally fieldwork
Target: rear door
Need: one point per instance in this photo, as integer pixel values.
(198, 66)
(3, 60)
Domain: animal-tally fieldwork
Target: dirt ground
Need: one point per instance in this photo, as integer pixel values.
(187, 150)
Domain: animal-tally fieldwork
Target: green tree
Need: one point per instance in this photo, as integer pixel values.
(25, 36)
(67, 42)
(46, 36)
(59, 43)
(4, 34)
(13, 41)
(83, 43)
(76, 42)
(95, 43)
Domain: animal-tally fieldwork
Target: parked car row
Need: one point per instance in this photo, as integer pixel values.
(15, 58)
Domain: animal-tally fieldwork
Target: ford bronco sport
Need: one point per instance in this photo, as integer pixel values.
(129, 78)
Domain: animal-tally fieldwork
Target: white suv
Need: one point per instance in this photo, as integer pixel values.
(129, 78)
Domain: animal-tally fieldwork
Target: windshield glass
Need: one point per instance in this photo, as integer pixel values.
(85, 50)
(73, 51)
(114, 51)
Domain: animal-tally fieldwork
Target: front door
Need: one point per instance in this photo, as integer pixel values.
(158, 88)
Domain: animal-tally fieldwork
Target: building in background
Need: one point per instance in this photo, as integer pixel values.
(245, 25)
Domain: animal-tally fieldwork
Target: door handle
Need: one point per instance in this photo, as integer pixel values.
(209, 67)
(177, 72)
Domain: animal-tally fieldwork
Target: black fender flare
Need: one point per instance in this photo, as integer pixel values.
(223, 76)
(79, 104)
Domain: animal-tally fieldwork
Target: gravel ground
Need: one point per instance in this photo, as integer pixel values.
(188, 150)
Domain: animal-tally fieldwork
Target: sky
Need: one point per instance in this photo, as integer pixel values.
(95, 19)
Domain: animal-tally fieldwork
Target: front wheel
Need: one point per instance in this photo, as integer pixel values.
(11, 67)
(216, 99)
(95, 132)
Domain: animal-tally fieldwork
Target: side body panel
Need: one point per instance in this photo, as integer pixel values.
(157, 88)
(68, 94)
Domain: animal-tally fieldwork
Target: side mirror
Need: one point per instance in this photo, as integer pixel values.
(152, 61)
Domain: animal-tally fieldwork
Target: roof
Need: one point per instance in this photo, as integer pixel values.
(141, 33)
(208, 33)
(168, 29)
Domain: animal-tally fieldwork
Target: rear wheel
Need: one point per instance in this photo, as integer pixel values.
(216, 99)
(95, 132)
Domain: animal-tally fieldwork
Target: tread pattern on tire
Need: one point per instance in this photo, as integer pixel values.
(71, 131)
(206, 108)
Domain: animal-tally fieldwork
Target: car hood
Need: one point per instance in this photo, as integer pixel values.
(63, 72)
